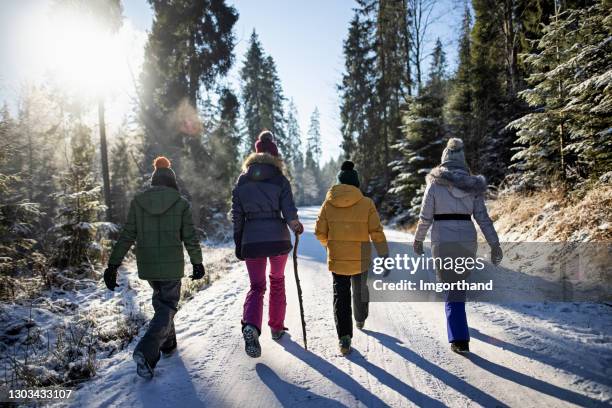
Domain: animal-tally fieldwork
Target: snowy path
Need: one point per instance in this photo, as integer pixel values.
(523, 355)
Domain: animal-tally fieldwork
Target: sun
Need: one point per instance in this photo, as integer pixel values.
(76, 51)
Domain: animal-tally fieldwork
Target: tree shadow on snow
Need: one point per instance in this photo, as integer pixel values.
(562, 364)
(290, 395)
(328, 370)
(386, 378)
(534, 383)
(448, 378)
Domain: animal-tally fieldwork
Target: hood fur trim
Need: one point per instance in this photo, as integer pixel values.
(263, 158)
(460, 179)
(454, 143)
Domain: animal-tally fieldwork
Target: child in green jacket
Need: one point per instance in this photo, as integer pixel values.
(160, 222)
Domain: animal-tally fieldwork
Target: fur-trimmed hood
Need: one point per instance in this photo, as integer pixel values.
(262, 166)
(459, 178)
(262, 158)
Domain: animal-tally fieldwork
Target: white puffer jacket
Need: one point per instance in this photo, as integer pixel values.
(454, 192)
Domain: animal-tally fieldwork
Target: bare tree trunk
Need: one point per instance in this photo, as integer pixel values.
(104, 158)
(407, 22)
(193, 75)
(420, 21)
(510, 43)
(560, 91)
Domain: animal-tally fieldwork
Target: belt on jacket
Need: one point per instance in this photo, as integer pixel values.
(446, 217)
(263, 215)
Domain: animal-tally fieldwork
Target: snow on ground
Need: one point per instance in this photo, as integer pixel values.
(61, 321)
(64, 329)
(527, 355)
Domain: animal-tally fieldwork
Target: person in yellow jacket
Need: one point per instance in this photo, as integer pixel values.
(346, 225)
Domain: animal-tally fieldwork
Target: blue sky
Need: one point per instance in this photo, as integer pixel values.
(304, 38)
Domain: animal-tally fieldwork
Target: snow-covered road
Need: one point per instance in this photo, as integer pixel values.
(527, 355)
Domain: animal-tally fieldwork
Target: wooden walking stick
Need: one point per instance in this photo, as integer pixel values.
(299, 288)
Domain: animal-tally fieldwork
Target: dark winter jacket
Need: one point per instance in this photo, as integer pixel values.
(160, 222)
(262, 205)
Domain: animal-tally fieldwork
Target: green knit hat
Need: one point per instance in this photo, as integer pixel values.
(348, 174)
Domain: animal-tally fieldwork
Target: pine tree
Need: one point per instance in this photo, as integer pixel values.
(313, 142)
(189, 47)
(487, 150)
(460, 105)
(566, 136)
(38, 132)
(358, 89)
(224, 144)
(425, 132)
(312, 187)
(393, 81)
(19, 218)
(262, 97)
(590, 105)
(124, 181)
(294, 137)
(295, 162)
(81, 205)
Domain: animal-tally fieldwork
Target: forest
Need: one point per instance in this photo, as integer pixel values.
(531, 97)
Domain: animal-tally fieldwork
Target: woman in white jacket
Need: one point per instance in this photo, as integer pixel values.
(452, 197)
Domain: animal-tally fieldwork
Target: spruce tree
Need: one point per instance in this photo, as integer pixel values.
(460, 103)
(262, 97)
(295, 161)
(357, 89)
(81, 205)
(189, 47)
(311, 176)
(124, 181)
(19, 218)
(224, 144)
(566, 135)
(424, 134)
(393, 84)
(278, 120)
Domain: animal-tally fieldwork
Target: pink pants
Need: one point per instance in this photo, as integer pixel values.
(253, 304)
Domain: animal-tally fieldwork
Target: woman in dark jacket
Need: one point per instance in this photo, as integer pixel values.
(452, 198)
(262, 207)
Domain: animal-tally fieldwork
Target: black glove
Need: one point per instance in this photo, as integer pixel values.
(238, 245)
(198, 271)
(110, 277)
(496, 254)
(418, 247)
(238, 251)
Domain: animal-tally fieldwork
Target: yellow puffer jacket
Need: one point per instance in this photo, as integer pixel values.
(347, 223)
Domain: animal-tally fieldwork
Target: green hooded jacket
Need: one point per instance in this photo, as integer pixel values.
(160, 222)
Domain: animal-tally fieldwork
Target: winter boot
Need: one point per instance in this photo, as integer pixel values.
(460, 347)
(143, 369)
(277, 334)
(169, 347)
(345, 345)
(251, 341)
(168, 351)
(360, 325)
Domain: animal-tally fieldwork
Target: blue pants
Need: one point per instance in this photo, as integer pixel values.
(456, 319)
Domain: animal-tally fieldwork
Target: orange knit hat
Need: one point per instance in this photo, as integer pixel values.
(161, 162)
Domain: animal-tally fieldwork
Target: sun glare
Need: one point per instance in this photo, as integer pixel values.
(76, 51)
